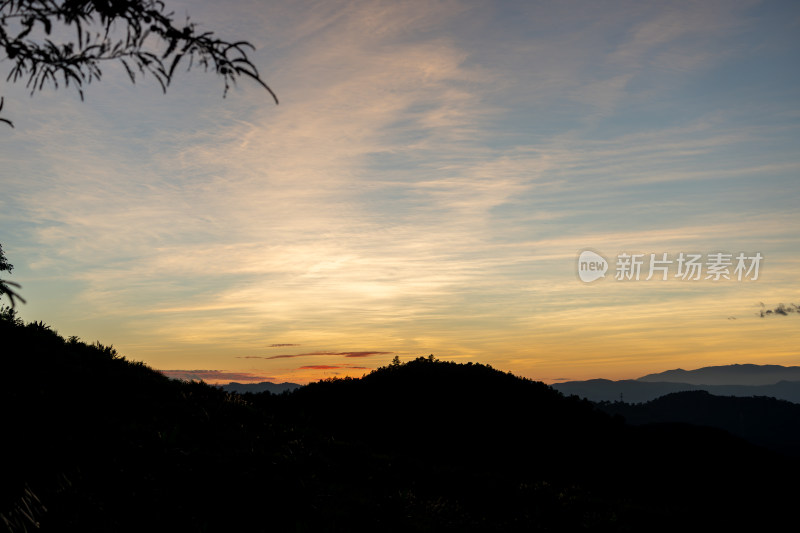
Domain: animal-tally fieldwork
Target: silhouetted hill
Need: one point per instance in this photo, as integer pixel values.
(728, 375)
(460, 408)
(255, 388)
(94, 442)
(473, 436)
(635, 391)
(99, 443)
(774, 424)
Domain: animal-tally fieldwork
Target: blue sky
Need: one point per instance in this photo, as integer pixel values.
(424, 186)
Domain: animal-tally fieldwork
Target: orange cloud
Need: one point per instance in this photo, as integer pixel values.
(344, 354)
(215, 376)
(330, 367)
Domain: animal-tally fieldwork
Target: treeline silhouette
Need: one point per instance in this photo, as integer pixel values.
(100, 443)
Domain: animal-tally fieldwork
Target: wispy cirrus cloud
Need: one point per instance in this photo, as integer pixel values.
(428, 195)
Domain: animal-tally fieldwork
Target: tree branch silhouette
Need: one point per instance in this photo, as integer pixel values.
(5, 285)
(141, 35)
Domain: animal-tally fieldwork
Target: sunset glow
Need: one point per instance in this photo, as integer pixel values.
(424, 186)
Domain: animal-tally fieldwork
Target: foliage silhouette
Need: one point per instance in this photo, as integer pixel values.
(141, 35)
(5, 285)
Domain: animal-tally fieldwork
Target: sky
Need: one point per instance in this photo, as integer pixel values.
(425, 186)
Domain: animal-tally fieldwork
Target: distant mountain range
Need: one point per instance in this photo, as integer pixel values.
(731, 380)
(728, 375)
(255, 388)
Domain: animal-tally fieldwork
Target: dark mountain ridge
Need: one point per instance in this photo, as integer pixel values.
(635, 391)
(768, 422)
(255, 388)
(776, 381)
(746, 374)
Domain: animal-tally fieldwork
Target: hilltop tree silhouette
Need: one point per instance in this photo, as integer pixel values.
(139, 34)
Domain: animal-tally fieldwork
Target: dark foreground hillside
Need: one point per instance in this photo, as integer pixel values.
(98, 443)
(768, 422)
